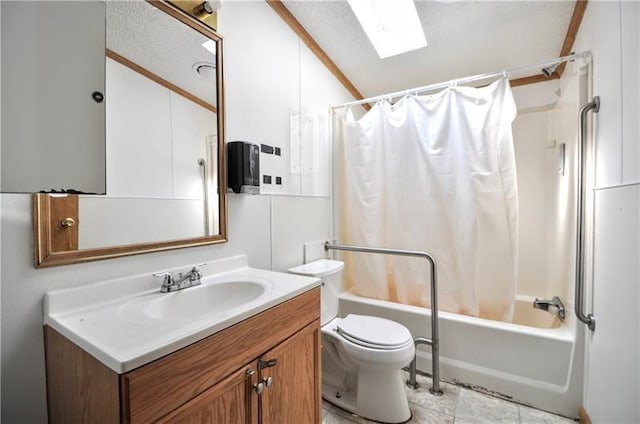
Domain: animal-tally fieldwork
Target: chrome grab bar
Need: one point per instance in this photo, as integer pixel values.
(588, 319)
(435, 339)
(205, 184)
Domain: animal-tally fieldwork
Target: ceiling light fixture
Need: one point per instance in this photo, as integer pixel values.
(393, 26)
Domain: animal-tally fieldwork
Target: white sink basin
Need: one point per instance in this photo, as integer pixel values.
(126, 323)
(200, 300)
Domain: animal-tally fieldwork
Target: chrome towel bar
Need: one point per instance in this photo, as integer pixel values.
(588, 319)
(205, 187)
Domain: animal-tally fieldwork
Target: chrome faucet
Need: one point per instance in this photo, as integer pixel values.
(554, 306)
(183, 281)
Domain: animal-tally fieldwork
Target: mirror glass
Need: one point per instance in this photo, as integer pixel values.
(165, 154)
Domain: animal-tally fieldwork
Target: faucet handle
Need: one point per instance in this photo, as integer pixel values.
(168, 277)
(195, 271)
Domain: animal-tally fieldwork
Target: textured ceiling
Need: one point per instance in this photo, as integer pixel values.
(161, 44)
(464, 38)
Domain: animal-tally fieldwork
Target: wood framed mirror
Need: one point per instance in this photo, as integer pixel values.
(166, 173)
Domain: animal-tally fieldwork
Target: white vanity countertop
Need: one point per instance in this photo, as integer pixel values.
(111, 319)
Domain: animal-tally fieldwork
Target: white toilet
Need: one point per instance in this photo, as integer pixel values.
(362, 356)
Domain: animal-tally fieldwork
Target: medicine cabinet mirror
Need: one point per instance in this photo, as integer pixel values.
(165, 171)
(53, 111)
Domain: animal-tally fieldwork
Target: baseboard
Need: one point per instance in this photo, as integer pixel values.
(584, 417)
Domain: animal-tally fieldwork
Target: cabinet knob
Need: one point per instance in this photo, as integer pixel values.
(97, 97)
(268, 381)
(258, 387)
(68, 222)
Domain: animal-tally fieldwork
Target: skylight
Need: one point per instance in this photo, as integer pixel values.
(393, 26)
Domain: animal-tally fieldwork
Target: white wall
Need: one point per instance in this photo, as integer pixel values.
(291, 230)
(140, 152)
(612, 386)
(280, 99)
(268, 229)
(113, 221)
(613, 359)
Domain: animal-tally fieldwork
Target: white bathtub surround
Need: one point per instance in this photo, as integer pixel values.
(521, 361)
(459, 405)
(117, 321)
(546, 197)
(434, 173)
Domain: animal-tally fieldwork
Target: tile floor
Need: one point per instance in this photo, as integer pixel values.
(458, 405)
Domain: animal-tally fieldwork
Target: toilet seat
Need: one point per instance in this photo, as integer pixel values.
(374, 332)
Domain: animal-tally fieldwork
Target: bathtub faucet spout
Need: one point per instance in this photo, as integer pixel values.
(554, 306)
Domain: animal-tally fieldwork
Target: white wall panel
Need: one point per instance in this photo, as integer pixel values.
(190, 126)
(614, 346)
(296, 221)
(631, 91)
(138, 154)
(317, 85)
(261, 79)
(609, 29)
(114, 221)
(600, 32)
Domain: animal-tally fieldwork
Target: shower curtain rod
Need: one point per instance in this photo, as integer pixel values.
(465, 80)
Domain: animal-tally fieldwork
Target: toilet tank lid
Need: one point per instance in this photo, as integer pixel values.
(319, 268)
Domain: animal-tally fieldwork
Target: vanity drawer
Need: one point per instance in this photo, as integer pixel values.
(153, 390)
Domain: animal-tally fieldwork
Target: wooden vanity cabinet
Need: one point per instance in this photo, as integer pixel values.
(294, 394)
(215, 380)
(230, 401)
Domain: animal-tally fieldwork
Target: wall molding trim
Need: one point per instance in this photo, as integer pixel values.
(572, 33)
(159, 80)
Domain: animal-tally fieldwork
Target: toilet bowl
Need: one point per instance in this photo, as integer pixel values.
(362, 356)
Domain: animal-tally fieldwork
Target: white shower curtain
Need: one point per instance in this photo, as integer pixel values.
(434, 173)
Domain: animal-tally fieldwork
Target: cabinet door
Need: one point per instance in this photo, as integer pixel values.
(229, 402)
(293, 395)
(53, 125)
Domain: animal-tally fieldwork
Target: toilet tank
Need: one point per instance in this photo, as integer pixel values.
(330, 272)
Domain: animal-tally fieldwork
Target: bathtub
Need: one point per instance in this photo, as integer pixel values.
(536, 360)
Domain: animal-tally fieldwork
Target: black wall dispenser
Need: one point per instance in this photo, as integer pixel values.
(243, 167)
